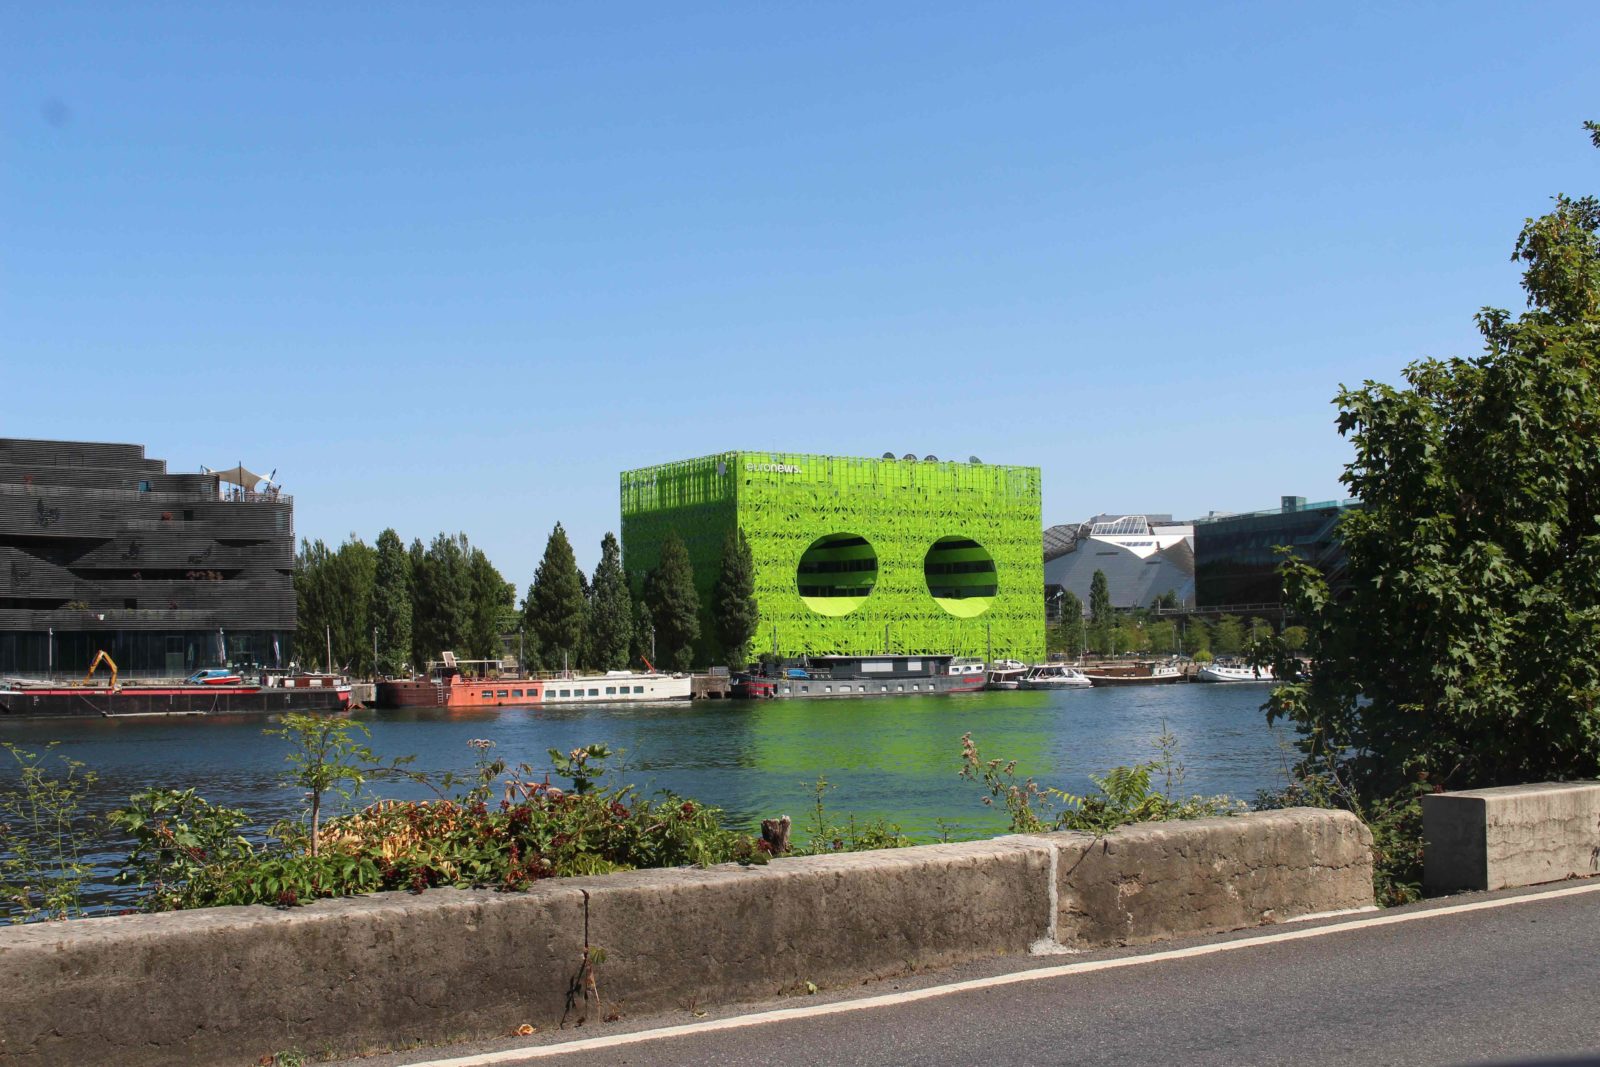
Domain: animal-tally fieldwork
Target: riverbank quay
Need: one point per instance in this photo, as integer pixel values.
(230, 985)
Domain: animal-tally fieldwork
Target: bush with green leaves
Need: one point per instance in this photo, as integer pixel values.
(1458, 649)
(42, 866)
(1121, 796)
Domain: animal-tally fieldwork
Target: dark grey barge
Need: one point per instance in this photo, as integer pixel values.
(864, 676)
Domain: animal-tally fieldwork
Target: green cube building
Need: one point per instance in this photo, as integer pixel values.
(855, 555)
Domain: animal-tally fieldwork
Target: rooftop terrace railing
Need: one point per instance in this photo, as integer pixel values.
(154, 496)
(1321, 505)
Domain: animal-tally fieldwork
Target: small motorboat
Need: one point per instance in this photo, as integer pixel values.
(1234, 672)
(1054, 676)
(1005, 674)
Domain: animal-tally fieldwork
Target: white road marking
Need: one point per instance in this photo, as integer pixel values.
(1040, 974)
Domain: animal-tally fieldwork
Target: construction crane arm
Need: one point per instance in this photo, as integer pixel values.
(101, 657)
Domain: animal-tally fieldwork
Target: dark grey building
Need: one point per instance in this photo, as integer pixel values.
(101, 548)
(1236, 557)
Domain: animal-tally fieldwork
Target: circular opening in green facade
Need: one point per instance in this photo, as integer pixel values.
(837, 573)
(961, 576)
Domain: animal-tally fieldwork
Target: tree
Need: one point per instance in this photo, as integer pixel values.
(390, 612)
(1228, 635)
(1196, 636)
(611, 622)
(554, 607)
(333, 595)
(1102, 616)
(441, 604)
(1463, 651)
(1161, 636)
(489, 596)
(733, 599)
(674, 605)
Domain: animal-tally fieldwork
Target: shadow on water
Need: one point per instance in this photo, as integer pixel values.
(894, 758)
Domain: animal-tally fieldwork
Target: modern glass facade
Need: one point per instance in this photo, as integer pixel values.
(102, 549)
(1236, 557)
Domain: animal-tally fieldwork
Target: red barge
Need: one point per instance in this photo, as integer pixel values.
(208, 692)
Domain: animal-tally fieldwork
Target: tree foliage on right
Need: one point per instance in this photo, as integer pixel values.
(673, 604)
(1465, 651)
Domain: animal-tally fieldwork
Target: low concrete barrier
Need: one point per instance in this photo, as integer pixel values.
(1510, 836)
(229, 985)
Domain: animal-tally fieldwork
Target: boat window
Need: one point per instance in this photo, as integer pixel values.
(827, 689)
(566, 692)
(516, 692)
(883, 689)
(899, 689)
(503, 693)
(638, 689)
(488, 694)
(594, 692)
(611, 690)
(805, 689)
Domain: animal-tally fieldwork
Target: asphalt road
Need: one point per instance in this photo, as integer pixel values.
(1504, 985)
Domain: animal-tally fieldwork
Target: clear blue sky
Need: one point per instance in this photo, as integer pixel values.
(454, 267)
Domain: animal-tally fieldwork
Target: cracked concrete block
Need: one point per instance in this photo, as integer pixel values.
(1175, 879)
(228, 985)
(675, 936)
(1510, 836)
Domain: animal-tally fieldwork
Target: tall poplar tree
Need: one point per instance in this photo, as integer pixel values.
(733, 601)
(610, 623)
(441, 598)
(488, 595)
(674, 605)
(1102, 616)
(391, 603)
(554, 608)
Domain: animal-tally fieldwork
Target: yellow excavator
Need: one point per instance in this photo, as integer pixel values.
(110, 663)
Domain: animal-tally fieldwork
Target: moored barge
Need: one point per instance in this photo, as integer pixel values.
(864, 676)
(180, 699)
(452, 683)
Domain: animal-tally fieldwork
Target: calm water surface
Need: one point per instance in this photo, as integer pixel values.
(894, 758)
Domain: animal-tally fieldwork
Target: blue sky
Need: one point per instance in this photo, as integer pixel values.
(455, 271)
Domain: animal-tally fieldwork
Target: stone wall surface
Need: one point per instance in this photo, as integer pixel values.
(229, 985)
(1160, 880)
(1510, 836)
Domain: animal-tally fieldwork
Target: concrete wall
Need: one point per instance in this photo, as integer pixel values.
(229, 985)
(1510, 836)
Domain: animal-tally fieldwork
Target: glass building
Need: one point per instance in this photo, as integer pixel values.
(1236, 557)
(102, 550)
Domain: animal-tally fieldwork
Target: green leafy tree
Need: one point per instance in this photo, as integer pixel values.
(1102, 617)
(611, 622)
(1463, 652)
(1196, 636)
(1294, 638)
(489, 600)
(1161, 636)
(333, 595)
(555, 605)
(674, 605)
(441, 597)
(1229, 636)
(733, 599)
(390, 612)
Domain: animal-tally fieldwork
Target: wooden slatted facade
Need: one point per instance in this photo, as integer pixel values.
(101, 548)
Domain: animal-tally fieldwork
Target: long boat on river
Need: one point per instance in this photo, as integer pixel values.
(274, 696)
(865, 676)
(461, 684)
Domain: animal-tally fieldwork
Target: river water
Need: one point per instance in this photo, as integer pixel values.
(892, 758)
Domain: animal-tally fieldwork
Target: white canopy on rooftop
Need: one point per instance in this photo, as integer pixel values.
(240, 476)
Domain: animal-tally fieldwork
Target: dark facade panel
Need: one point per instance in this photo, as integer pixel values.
(101, 548)
(1236, 558)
